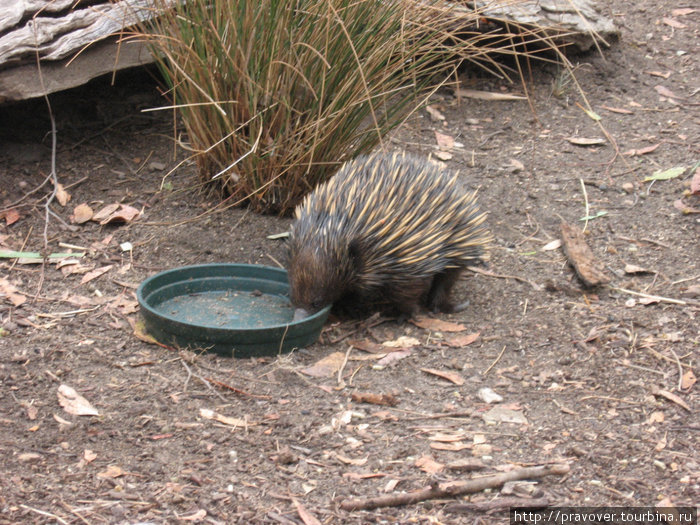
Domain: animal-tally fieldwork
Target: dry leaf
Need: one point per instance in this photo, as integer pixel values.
(672, 22)
(656, 417)
(641, 151)
(105, 212)
(661, 444)
(351, 461)
(304, 514)
(81, 214)
(327, 366)
(665, 92)
(553, 245)
(11, 216)
(195, 516)
(443, 155)
(394, 356)
(460, 341)
(659, 74)
(62, 196)
(375, 399)
(226, 420)
(28, 457)
(692, 291)
(633, 268)
(695, 182)
(435, 114)
(515, 166)
(369, 346)
(688, 380)
(71, 266)
(124, 305)
(671, 397)
(444, 142)
(94, 274)
(501, 414)
(74, 403)
(429, 465)
(683, 11)
(62, 421)
(450, 447)
(123, 214)
(621, 111)
(81, 300)
(487, 95)
(89, 456)
(438, 325)
(391, 485)
(32, 412)
(454, 377)
(684, 208)
(11, 293)
(402, 342)
(582, 141)
(140, 333)
(448, 437)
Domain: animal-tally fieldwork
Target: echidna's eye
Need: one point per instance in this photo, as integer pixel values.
(316, 305)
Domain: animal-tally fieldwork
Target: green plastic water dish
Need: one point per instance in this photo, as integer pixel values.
(236, 310)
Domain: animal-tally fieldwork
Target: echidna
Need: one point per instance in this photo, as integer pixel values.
(391, 229)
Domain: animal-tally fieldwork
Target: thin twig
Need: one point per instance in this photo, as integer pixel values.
(494, 363)
(342, 367)
(44, 513)
(203, 380)
(680, 369)
(476, 269)
(52, 176)
(585, 200)
(648, 296)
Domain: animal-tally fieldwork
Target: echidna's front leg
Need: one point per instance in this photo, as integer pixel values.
(439, 295)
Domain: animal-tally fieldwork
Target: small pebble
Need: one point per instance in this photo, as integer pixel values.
(489, 396)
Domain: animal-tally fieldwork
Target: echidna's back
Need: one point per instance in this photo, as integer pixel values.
(407, 214)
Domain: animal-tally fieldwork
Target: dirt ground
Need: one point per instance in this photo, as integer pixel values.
(598, 379)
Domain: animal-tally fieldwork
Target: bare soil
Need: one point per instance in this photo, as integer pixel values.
(599, 379)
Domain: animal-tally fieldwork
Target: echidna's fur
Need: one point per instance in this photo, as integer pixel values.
(386, 228)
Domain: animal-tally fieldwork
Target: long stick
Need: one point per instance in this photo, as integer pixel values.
(454, 488)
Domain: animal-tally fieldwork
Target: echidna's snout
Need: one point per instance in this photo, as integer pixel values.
(300, 314)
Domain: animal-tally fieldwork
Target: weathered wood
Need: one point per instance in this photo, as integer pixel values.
(581, 21)
(57, 37)
(581, 257)
(19, 83)
(58, 30)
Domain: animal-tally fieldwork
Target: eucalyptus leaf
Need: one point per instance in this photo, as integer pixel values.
(591, 217)
(671, 173)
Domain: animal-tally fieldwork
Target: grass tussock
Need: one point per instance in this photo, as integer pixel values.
(276, 94)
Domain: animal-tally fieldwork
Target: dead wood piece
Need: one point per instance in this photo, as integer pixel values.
(581, 257)
(454, 488)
